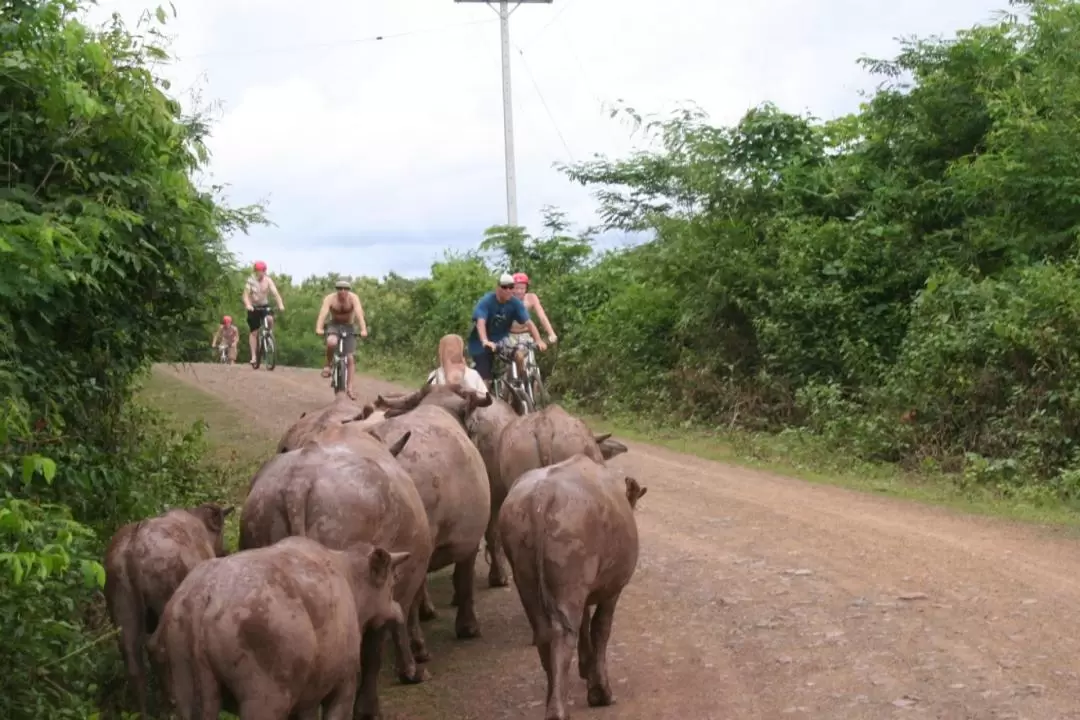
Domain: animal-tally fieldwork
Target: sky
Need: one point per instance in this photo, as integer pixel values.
(377, 155)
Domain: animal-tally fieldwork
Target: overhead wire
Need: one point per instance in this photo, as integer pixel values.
(543, 101)
(339, 43)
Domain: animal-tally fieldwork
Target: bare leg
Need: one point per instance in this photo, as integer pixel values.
(331, 342)
(466, 624)
(251, 343)
(599, 687)
(350, 386)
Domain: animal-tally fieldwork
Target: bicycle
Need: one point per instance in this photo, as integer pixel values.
(339, 368)
(265, 345)
(223, 354)
(521, 393)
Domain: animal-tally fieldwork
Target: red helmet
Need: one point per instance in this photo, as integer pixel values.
(227, 320)
(521, 278)
(260, 266)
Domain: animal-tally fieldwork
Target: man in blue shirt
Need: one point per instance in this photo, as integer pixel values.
(492, 318)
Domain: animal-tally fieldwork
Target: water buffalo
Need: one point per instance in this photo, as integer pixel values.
(144, 564)
(450, 475)
(274, 633)
(341, 488)
(310, 424)
(571, 538)
(534, 441)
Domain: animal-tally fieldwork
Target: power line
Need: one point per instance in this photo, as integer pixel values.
(550, 22)
(540, 94)
(339, 43)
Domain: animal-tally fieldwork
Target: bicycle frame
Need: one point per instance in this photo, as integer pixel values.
(339, 369)
(509, 378)
(265, 344)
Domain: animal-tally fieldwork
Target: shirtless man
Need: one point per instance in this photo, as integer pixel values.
(229, 336)
(257, 291)
(343, 305)
(519, 333)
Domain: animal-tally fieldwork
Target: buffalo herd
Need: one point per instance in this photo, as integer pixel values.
(338, 533)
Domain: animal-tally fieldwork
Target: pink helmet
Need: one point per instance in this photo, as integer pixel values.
(260, 266)
(227, 320)
(521, 278)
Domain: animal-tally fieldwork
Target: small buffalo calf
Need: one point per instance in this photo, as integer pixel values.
(274, 633)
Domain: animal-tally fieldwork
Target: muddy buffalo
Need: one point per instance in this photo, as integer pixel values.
(144, 564)
(533, 441)
(571, 538)
(341, 488)
(450, 475)
(274, 633)
(311, 424)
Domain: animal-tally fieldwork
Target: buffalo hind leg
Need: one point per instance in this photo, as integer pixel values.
(600, 632)
(466, 625)
(559, 653)
(494, 553)
(584, 646)
(338, 705)
(367, 704)
(417, 643)
(427, 608)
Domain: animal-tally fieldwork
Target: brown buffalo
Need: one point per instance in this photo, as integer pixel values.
(274, 633)
(485, 427)
(534, 441)
(144, 564)
(449, 473)
(571, 538)
(341, 488)
(310, 424)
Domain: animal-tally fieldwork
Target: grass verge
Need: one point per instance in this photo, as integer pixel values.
(805, 457)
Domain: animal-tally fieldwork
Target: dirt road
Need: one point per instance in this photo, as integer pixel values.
(759, 596)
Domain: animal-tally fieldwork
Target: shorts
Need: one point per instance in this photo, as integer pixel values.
(514, 339)
(483, 363)
(350, 340)
(255, 317)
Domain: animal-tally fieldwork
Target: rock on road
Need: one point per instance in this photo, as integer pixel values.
(760, 596)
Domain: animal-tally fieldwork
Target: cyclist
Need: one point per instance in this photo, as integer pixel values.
(229, 335)
(519, 333)
(452, 367)
(257, 291)
(343, 305)
(492, 317)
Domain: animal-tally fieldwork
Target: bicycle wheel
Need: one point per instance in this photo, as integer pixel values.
(270, 354)
(259, 342)
(539, 392)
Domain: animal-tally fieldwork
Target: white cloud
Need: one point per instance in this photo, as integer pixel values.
(354, 137)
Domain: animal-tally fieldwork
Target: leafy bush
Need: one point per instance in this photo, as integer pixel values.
(899, 281)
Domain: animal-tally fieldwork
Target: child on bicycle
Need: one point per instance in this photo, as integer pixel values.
(228, 335)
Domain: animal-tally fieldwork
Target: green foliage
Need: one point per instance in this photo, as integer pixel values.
(110, 257)
(899, 281)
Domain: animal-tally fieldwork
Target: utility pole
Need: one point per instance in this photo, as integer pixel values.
(504, 12)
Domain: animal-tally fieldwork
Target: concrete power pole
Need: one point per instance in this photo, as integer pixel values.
(504, 12)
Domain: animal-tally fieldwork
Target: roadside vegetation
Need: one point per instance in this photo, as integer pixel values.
(896, 287)
(110, 258)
